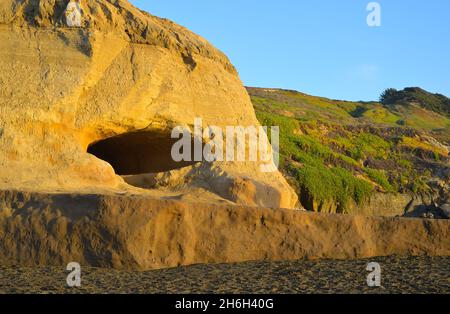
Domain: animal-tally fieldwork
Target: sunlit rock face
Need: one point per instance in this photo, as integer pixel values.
(78, 73)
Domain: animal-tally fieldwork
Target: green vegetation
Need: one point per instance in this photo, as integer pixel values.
(433, 102)
(415, 144)
(341, 152)
(367, 144)
(411, 110)
(380, 178)
(335, 183)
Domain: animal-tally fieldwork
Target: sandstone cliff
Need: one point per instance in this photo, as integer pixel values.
(118, 72)
(113, 85)
(134, 232)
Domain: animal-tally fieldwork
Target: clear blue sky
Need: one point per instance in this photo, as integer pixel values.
(324, 47)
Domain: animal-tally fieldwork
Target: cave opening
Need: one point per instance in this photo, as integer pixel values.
(138, 152)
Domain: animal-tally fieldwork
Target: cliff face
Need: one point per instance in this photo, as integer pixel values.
(118, 72)
(114, 84)
(116, 17)
(143, 233)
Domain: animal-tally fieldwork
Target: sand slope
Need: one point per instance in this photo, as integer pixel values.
(141, 233)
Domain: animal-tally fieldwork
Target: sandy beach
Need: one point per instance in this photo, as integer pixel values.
(399, 275)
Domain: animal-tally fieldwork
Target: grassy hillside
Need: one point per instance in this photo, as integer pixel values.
(341, 152)
(414, 95)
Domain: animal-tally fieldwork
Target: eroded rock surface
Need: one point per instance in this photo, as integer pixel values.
(78, 72)
(136, 232)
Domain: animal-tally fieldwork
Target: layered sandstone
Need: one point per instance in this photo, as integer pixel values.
(135, 232)
(118, 71)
